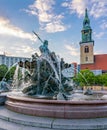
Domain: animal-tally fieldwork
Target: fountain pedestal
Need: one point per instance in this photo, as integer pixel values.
(2, 99)
(57, 108)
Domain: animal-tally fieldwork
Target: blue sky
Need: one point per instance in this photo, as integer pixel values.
(58, 21)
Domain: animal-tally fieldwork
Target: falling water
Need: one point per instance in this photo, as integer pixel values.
(79, 73)
(59, 71)
(48, 59)
(38, 73)
(15, 83)
(9, 70)
(23, 70)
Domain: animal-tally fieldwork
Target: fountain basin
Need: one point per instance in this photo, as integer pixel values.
(57, 108)
(2, 99)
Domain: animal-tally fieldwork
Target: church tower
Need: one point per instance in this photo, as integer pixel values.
(87, 44)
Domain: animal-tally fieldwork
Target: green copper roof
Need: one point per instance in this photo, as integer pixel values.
(86, 31)
(86, 22)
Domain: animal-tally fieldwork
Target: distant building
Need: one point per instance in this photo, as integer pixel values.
(75, 68)
(10, 60)
(96, 63)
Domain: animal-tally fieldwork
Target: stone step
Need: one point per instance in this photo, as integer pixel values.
(14, 121)
(5, 125)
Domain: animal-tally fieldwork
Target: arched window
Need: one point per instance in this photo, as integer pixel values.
(86, 58)
(86, 49)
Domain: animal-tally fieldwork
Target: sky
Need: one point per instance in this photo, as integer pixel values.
(58, 21)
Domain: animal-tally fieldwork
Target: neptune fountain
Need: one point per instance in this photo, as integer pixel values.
(45, 75)
(47, 90)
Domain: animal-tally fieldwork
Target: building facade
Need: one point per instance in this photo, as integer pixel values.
(96, 63)
(10, 60)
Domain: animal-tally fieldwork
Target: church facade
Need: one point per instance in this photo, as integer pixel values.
(96, 63)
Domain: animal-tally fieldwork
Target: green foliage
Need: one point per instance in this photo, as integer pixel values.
(98, 80)
(10, 73)
(3, 70)
(104, 79)
(85, 78)
(101, 79)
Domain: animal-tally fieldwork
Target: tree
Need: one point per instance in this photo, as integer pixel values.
(85, 78)
(104, 79)
(10, 73)
(98, 80)
(101, 79)
(3, 70)
(6, 73)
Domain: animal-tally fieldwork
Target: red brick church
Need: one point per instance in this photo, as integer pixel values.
(96, 63)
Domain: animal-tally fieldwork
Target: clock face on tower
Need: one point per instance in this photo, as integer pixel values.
(86, 32)
(86, 35)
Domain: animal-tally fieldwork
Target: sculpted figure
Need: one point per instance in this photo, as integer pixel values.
(44, 48)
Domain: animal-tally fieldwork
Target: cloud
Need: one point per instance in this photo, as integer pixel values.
(31, 12)
(72, 50)
(42, 9)
(54, 27)
(103, 25)
(98, 35)
(16, 46)
(25, 50)
(98, 52)
(14, 40)
(99, 8)
(96, 8)
(76, 6)
(6, 28)
(49, 21)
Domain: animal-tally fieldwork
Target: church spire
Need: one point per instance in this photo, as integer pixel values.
(86, 15)
(86, 22)
(86, 31)
(86, 44)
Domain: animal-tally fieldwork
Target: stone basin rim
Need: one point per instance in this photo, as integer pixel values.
(34, 100)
